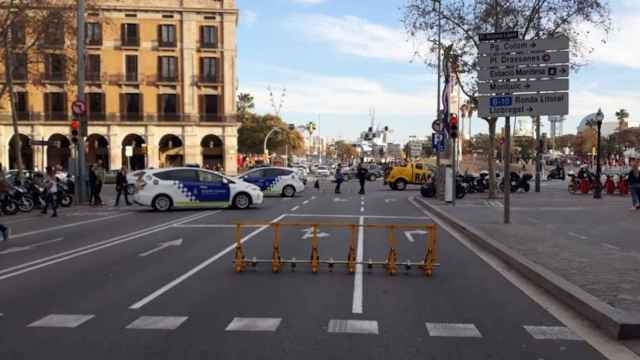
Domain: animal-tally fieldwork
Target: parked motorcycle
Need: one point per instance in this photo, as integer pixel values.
(557, 173)
(518, 182)
(22, 198)
(428, 189)
(8, 205)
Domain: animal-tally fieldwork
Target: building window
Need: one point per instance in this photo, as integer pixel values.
(168, 106)
(55, 67)
(131, 68)
(94, 33)
(20, 67)
(18, 33)
(54, 35)
(209, 37)
(167, 36)
(22, 105)
(168, 68)
(208, 69)
(209, 108)
(95, 106)
(131, 106)
(93, 68)
(55, 106)
(130, 35)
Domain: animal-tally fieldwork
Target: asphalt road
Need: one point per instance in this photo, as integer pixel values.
(128, 283)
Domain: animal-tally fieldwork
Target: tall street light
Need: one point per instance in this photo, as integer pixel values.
(266, 138)
(437, 4)
(597, 194)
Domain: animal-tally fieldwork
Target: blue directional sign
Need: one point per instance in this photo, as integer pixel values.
(438, 142)
(501, 101)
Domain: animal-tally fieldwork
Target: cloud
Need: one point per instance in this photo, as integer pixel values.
(355, 36)
(248, 17)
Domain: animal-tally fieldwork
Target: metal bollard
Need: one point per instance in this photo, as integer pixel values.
(239, 254)
(276, 260)
(392, 257)
(315, 257)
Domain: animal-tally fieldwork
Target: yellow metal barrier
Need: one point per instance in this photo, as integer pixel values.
(390, 263)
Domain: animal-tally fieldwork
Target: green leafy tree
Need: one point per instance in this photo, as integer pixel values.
(622, 115)
(463, 20)
(245, 103)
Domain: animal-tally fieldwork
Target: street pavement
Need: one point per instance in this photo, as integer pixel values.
(129, 283)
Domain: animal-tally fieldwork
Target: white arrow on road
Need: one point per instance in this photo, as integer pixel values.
(309, 233)
(409, 234)
(162, 245)
(390, 200)
(339, 200)
(16, 249)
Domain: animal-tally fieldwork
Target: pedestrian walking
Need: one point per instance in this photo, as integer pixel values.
(92, 185)
(4, 236)
(121, 186)
(362, 175)
(316, 185)
(51, 192)
(100, 174)
(339, 179)
(634, 185)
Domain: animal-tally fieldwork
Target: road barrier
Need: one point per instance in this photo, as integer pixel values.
(391, 264)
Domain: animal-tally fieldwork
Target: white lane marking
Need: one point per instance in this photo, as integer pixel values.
(313, 198)
(195, 226)
(361, 197)
(609, 347)
(308, 233)
(409, 234)
(551, 333)
(253, 324)
(28, 247)
(362, 203)
(161, 246)
(157, 322)
(16, 236)
(535, 221)
(339, 200)
(356, 308)
(358, 216)
(582, 237)
(611, 246)
(62, 320)
(353, 326)
(305, 202)
(295, 208)
(453, 330)
(37, 264)
(362, 209)
(147, 299)
(390, 200)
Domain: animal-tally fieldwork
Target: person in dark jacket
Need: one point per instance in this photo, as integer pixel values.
(121, 186)
(339, 178)
(362, 173)
(634, 185)
(92, 186)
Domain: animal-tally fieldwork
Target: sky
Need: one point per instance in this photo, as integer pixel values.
(339, 59)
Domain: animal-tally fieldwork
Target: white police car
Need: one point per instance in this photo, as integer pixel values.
(275, 180)
(164, 189)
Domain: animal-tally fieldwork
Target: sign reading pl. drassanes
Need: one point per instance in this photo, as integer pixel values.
(556, 57)
(524, 105)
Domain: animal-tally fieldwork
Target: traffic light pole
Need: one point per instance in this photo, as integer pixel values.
(81, 181)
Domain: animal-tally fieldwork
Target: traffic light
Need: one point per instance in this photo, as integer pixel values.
(453, 126)
(292, 127)
(75, 127)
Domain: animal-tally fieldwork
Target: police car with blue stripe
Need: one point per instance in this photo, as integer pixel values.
(276, 181)
(164, 189)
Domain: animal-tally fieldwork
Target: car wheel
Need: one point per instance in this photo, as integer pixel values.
(241, 201)
(162, 203)
(289, 191)
(66, 200)
(26, 204)
(400, 185)
(371, 177)
(10, 208)
(131, 189)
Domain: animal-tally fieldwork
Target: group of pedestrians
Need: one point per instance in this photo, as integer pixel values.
(361, 173)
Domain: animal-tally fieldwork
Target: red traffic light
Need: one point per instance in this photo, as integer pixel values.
(453, 121)
(75, 124)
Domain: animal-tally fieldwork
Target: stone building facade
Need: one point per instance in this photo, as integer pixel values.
(161, 86)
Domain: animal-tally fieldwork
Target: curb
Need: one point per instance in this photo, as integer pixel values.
(619, 324)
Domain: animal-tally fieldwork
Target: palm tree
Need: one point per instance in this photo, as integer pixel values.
(466, 110)
(622, 115)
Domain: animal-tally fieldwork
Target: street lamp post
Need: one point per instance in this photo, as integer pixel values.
(266, 138)
(597, 194)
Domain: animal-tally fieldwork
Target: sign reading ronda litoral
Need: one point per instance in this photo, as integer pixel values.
(523, 77)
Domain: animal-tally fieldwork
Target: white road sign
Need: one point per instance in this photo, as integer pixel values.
(525, 72)
(527, 86)
(516, 46)
(524, 105)
(543, 58)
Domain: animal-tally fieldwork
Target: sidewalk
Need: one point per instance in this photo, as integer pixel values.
(594, 244)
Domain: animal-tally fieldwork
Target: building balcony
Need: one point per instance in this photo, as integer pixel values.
(93, 77)
(217, 118)
(54, 78)
(163, 79)
(55, 116)
(125, 79)
(204, 46)
(207, 79)
(169, 45)
(96, 116)
(94, 43)
(130, 43)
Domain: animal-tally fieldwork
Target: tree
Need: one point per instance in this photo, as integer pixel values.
(463, 20)
(622, 115)
(27, 28)
(586, 141)
(566, 141)
(345, 151)
(245, 103)
(255, 128)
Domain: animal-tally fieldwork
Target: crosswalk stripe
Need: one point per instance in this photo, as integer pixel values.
(353, 326)
(62, 320)
(254, 324)
(157, 322)
(551, 333)
(453, 330)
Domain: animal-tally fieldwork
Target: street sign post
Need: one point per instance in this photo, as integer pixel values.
(517, 46)
(556, 103)
(524, 73)
(544, 58)
(526, 86)
(436, 126)
(438, 143)
(79, 108)
(505, 35)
